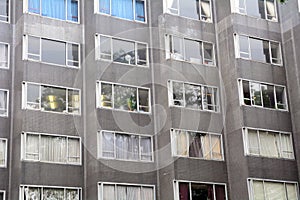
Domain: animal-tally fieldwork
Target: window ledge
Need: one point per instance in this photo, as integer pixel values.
(116, 17)
(127, 111)
(44, 111)
(48, 162)
(259, 107)
(120, 63)
(195, 158)
(192, 63)
(256, 61)
(57, 65)
(266, 157)
(182, 107)
(134, 161)
(51, 18)
(256, 18)
(197, 20)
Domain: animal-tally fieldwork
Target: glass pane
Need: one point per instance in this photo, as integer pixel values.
(73, 101)
(146, 148)
(54, 9)
(4, 10)
(34, 6)
(209, 99)
(270, 144)
(32, 193)
(258, 50)
(72, 194)
(53, 99)
(202, 191)
(193, 96)
(253, 143)
(33, 96)
(184, 191)
(140, 10)
(255, 94)
(206, 146)
(173, 6)
(281, 97)
(220, 192)
(258, 190)
(143, 100)
(73, 57)
(49, 193)
(242, 8)
(2, 153)
(125, 98)
(72, 14)
(124, 51)
(274, 191)
(178, 94)
(3, 103)
(286, 146)
(177, 48)
(122, 9)
(291, 190)
(3, 55)
(271, 10)
(208, 53)
(142, 54)
(268, 96)
(32, 147)
(108, 192)
(196, 149)
(2, 196)
(181, 143)
(127, 146)
(73, 150)
(105, 47)
(53, 149)
(252, 8)
(216, 147)
(189, 8)
(108, 145)
(53, 52)
(206, 11)
(104, 6)
(193, 51)
(106, 95)
(244, 46)
(34, 48)
(246, 93)
(262, 12)
(275, 51)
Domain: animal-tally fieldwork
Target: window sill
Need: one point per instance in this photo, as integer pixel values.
(48, 162)
(4, 68)
(257, 18)
(266, 157)
(127, 111)
(5, 22)
(256, 61)
(57, 65)
(134, 161)
(192, 63)
(273, 109)
(197, 20)
(182, 107)
(61, 113)
(194, 158)
(61, 20)
(129, 20)
(120, 63)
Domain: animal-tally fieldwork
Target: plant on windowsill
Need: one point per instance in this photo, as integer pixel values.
(131, 103)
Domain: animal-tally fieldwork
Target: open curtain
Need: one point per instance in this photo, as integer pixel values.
(3, 55)
(195, 149)
(122, 9)
(140, 10)
(104, 6)
(54, 8)
(72, 10)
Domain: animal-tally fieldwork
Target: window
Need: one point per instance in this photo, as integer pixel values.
(2, 195)
(264, 9)
(125, 146)
(269, 189)
(46, 192)
(189, 50)
(263, 95)
(115, 191)
(134, 10)
(51, 148)
(3, 153)
(3, 103)
(51, 51)
(258, 50)
(66, 10)
(195, 144)
(4, 11)
(193, 96)
(51, 98)
(4, 55)
(268, 143)
(186, 190)
(123, 97)
(121, 50)
(194, 9)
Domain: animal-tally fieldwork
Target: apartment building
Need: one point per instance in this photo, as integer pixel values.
(150, 100)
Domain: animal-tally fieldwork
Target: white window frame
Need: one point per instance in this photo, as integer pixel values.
(136, 43)
(8, 55)
(115, 184)
(174, 148)
(176, 187)
(25, 51)
(23, 188)
(241, 95)
(238, 52)
(7, 102)
(100, 149)
(99, 101)
(3, 192)
(25, 10)
(5, 153)
(9, 13)
(67, 137)
(246, 146)
(170, 55)
(170, 96)
(177, 11)
(97, 11)
(24, 97)
(251, 191)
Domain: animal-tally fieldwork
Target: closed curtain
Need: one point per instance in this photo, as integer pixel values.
(258, 190)
(3, 102)
(220, 192)
(291, 191)
(206, 146)
(72, 10)
(270, 144)
(139, 10)
(108, 192)
(147, 193)
(127, 147)
(121, 193)
(32, 147)
(53, 149)
(104, 6)
(181, 143)
(2, 152)
(216, 146)
(286, 146)
(73, 150)
(34, 6)
(146, 149)
(274, 191)
(253, 144)
(108, 146)
(184, 193)
(133, 193)
(3, 55)
(122, 8)
(54, 8)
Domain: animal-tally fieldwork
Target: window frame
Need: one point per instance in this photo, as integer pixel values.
(8, 54)
(241, 95)
(42, 187)
(3, 192)
(24, 98)
(99, 101)
(9, 14)
(176, 187)
(26, 10)
(202, 86)
(170, 55)
(211, 21)
(115, 184)
(26, 46)
(67, 137)
(5, 154)
(246, 141)
(238, 51)
(136, 43)
(251, 191)
(174, 147)
(100, 149)
(97, 11)
(7, 102)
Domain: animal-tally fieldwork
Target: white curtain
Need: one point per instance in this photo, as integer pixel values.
(205, 9)
(127, 146)
(3, 55)
(270, 9)
(146, 149)
(291, 190)
(216, 147)
(73, 150)
(108, 192)
(173, 6)
(53, 149)
(3, 102)
(32, 147)
(274, 191)
(206, 146)
(253, 144)
(133, 193)
(121, 193)
(108, 146)
(269, 144)
(286, 146)
(147, 193)
(181, 143)
(258, 190)
(2, 152)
